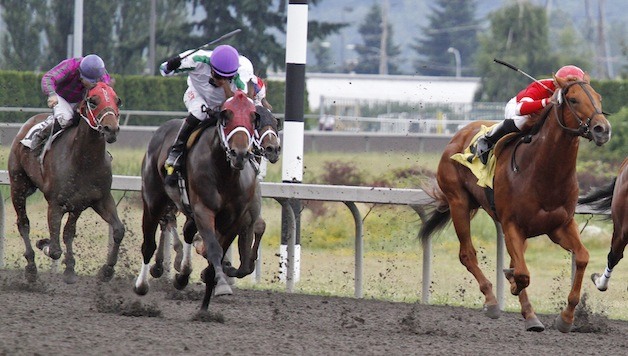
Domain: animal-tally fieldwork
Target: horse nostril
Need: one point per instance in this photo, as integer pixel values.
(599, 129)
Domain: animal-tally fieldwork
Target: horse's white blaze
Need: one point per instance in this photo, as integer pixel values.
(142, 279)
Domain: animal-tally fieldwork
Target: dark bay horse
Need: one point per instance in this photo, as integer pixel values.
(613, 196)
(221, 186)
(535, 193)
(266, 145)
(75, 174)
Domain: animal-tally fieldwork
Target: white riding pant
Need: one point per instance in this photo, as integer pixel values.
(510, 112)
(195, 104)
(63, 112)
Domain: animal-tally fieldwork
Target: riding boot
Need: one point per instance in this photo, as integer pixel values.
(173, 162)
(42, 135)
(485, 143)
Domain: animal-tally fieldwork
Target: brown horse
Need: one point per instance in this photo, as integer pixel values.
(535, 193)
(75, 174)
(266, 145)
(221, 186)
(613, 196)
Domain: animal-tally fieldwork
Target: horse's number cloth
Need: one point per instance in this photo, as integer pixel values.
(484, 173)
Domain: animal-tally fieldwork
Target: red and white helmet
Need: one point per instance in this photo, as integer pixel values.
(570, 71)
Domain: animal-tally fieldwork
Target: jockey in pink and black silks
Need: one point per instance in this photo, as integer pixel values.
(65, 86)
(518, 110)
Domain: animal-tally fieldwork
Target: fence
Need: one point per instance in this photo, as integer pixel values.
(349, 195)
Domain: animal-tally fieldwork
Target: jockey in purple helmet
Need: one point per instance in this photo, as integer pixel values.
(213, 77)
(65, 86)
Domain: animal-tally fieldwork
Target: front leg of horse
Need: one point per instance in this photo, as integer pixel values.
(532, 322)
(69, 232)
(23, 226)
(107, 210)
(569, 239)
(214, 258)
(51, 247)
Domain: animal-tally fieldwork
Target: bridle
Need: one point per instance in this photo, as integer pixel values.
(95, 117)
(583, 125)
(259, 149)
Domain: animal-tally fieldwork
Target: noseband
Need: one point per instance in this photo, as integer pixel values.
(225, 137)
(259, 149)
(97, 118)
(583, 125)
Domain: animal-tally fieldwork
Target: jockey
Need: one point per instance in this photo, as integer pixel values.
(213, 77)
(65, 86)
(518, 110)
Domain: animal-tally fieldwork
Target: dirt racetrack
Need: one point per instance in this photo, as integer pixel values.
(93, 318)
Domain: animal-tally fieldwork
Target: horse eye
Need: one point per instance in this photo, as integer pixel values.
(119, 102)
(92, 103)
(573, 100)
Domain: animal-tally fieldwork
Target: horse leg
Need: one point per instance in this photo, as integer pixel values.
(52, 247)
(205, 221)
(69, 232)
(107, 210)
(568, 238)
(259, 229)
(150, 221)
(182, 278)
(461, 218)
(19, 193)
(616, 253)
(532, 322)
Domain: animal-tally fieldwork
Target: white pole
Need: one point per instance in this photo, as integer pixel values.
(78, 28)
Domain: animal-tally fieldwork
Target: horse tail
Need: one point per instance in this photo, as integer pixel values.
(438, 212)
(601, 198)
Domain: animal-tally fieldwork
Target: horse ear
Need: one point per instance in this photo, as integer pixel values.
(119, 102)
(560, 81)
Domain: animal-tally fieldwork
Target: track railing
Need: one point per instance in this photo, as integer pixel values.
(349, 195)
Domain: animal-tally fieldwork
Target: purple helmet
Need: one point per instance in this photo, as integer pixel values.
(225, 60)
(92, 68)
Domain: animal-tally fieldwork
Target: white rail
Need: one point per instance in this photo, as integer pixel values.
(349, 195)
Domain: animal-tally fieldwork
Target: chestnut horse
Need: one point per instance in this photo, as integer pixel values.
(75, 174)
(266, 145)
(535, 193)
(221, 186)
(613, 196)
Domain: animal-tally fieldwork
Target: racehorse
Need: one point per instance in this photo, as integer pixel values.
(266, 145)
(73, 175)
(220, 183)
(614, 197)
(535, 192)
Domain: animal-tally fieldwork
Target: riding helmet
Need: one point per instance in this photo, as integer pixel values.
(225, 60)
(570, 71)
(92, 68)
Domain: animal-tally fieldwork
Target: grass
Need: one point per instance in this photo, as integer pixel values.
(393, 256)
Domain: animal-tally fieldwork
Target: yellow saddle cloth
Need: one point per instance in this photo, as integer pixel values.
(484, 173)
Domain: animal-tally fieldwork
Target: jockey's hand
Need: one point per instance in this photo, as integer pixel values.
(173, 63)
(52, 100)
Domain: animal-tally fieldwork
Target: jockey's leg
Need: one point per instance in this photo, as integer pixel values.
(486, 142)
(173, 162)
(62, 115)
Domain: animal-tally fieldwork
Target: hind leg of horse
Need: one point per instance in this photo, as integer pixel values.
(532, 322)
(616, 253)
(568, 237)
(52, 247)
(168, 229)
(107, 210)
(18, 196)
(69, 232)
(461, 218)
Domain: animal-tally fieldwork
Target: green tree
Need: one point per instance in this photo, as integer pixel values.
(322, 53)
(518, 34)
(369, 52)
(451, 24)
(22, 40)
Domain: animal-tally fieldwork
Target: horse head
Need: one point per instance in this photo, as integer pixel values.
(100, 109)
(266, 138)
(585, 107)
(237, 124)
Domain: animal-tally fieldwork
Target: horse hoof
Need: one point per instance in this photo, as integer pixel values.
(534, 324)
(595, 277)
(69, 277)
(106, 273)
(492, 311)
(30, 272)
(180, 281)
(561, 325)
(222, 288)
(157, 271)
(141, 290)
